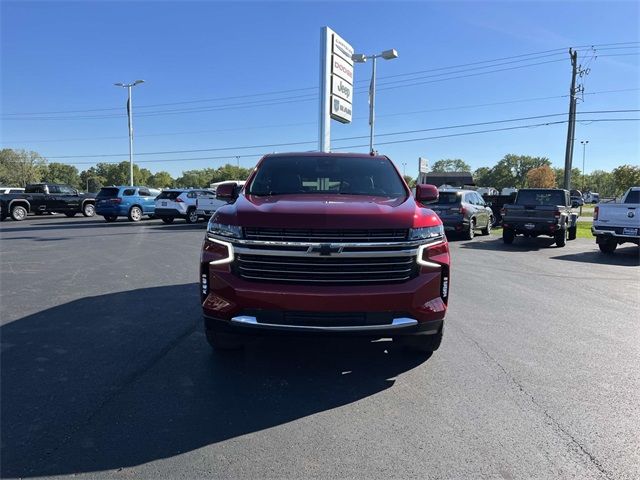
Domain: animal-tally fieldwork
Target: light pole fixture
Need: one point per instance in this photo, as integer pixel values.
(361, 58)
(584, 148)
(404, 169)
(128, 86)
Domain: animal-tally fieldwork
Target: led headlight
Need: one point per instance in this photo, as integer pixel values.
(426, 233)
(231, 231)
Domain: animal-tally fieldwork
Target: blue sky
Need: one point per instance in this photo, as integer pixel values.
(65, 57)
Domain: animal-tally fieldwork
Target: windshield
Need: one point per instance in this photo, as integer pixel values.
(109, 192)
(448, 198)
(170, 195)
(332, 175)
(540, 197)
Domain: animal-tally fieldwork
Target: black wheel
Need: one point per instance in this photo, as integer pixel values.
(167, 219)
(223, 341)
(609, 246)
(421, 343)
(561, 238)
(192, 216)
(110, 218)
(471, 232)
(135, 214)
(573, 233)
(19, 213)
(70, 214)
(89, 210)
(487, 231)
(508, 236)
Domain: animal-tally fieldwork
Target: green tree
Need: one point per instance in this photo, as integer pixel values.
(450, 165)
(20, 167)
(517, 166)
(118, 173)
(601, 182)
(410, 181)
(230, 172)
(61, 173)
(161, 180)
(90, 181)
(482, 177)
(576, 178)
(195, 178)
(625, 176)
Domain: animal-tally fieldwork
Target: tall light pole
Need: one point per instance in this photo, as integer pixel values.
(404, 169)
(584, 148)
(361, 58)
(128, 86)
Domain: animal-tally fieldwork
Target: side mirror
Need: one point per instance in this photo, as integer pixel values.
(75, 192)
(226, 191)
(427, 193)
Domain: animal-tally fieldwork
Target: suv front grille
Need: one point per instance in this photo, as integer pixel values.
(326, 270)
(325, 236)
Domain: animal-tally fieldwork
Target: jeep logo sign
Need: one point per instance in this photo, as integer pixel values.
(341, 88)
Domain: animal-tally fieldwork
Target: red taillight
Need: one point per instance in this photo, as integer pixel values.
(116, 200)
(178, 200)
(503, 211)
(462, 210)
(556, 215)
(595, 212)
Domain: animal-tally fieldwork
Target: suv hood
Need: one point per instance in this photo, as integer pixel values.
(326, 211)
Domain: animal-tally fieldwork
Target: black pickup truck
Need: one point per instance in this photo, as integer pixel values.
(42, 198)
(540, 211)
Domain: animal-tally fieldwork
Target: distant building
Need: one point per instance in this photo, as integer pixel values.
(453, 179)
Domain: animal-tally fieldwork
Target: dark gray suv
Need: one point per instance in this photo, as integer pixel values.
(463, 212)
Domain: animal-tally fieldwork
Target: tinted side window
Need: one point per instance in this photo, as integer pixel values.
(191, 195)
(54, 189)
(144, 192)
(65, 190)
(129, 192)
(470, 198)
(479, 199)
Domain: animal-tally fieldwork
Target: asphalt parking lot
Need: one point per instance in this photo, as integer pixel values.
(105, 372)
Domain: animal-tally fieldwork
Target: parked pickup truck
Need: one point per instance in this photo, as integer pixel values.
(617, 223)
(207, 204)
(325, 243)
(42, 198)
(540, 211)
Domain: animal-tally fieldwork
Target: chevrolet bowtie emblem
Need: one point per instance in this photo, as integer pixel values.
(325, 249)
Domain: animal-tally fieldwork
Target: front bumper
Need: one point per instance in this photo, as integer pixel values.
(244, 304)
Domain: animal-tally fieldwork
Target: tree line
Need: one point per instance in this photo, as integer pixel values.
(20, 167)
(537, 172)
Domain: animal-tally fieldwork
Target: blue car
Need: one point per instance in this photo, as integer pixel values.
(130, 202)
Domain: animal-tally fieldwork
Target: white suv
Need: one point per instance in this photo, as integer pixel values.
(178, 202)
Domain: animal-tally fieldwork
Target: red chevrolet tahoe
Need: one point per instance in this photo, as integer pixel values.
(325, 243)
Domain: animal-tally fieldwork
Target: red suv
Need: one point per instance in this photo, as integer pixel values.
(325, 243)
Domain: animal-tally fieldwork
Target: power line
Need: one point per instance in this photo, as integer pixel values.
(477, 132)
(288, 144)
(521, 58)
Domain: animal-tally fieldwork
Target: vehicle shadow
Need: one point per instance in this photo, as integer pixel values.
(520, 244)
(118, 380)
(80, 223)
(625, 256)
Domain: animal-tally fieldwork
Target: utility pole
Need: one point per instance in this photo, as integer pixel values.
(571, 125)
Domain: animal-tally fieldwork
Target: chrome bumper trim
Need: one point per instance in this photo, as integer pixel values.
(397, 323)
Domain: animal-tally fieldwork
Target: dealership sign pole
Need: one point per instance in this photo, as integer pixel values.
(336, 84)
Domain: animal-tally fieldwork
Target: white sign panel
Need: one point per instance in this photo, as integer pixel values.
(342, 48)
(341, 68)
(341, 88)
(341, 110)
(424, 165)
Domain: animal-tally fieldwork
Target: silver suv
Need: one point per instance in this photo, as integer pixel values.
(463, 212)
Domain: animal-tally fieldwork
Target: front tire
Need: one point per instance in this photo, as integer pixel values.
(223, 341)
(19, 213)
(192, 216)
(508, 236)
(421, 343)
(89, 210)
(135, 214)
(609, 246)
(573, 233)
